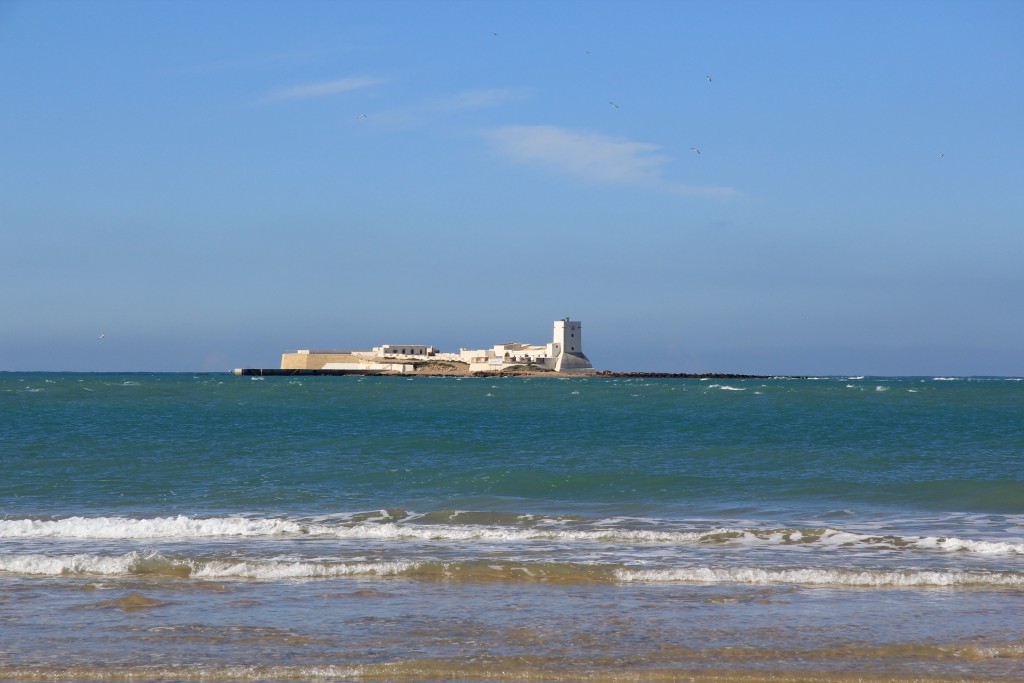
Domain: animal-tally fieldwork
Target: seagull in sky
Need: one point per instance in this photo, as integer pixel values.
(103, 336)
(695, 150)
(709, 78)
(362, 116)
(613, 104)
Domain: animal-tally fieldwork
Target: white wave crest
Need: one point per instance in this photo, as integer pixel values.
(182, 527)
(159, 527)
(69, 564)
(970, 546)
(135, 563)
(391, 531)
(298, 570)
(907, 578)
(832, 538)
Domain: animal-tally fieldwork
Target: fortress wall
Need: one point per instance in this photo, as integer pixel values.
(314, 361)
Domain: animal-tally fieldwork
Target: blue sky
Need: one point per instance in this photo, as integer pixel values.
(209, 184)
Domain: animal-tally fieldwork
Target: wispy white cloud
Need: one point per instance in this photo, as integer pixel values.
(587, 156)
(430, 111)
(592, 157)
(322, 89)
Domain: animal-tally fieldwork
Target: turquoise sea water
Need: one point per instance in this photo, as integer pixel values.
(212, 527)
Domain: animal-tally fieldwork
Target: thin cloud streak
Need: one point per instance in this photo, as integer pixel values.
(430, 111)
(588, 156)
(592, 158)
(323, 89)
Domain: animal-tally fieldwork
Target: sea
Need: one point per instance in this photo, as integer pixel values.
(208, 527)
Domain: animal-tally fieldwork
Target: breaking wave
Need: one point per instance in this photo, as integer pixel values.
(135, 564)
(422, 528)
(902, 578)
(155, 564)
(123, 528)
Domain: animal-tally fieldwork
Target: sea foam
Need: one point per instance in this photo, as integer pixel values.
(906, 578)
(184, 528)
(157, 527)
(155, 564)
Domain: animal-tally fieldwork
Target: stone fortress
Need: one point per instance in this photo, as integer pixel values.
(563, 354)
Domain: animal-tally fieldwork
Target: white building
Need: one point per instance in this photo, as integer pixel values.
(564, 353)
(568, 347)
(404, 350)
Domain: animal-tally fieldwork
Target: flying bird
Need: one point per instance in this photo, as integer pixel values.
(695, 150)
(613, 104)
(709, 78)
(103, 336)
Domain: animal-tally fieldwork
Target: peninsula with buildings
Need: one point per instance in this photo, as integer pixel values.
(561, 357)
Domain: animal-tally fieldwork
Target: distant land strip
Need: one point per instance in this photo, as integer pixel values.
(682, 375)
(434, 371)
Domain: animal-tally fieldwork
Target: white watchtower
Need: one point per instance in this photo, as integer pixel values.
(568, 347)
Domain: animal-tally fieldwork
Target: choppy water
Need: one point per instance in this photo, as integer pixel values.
(208, 527)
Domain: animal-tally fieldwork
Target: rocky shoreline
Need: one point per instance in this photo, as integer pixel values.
(683, 375)
(458, 369)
